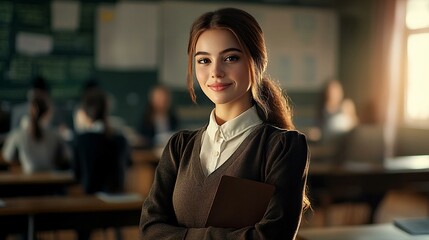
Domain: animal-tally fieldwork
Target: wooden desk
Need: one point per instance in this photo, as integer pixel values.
(369, 183)
(366, 232)
(145, 157)
(19, 184)
(32, 214)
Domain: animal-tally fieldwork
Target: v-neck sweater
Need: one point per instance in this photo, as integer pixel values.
(181, 195)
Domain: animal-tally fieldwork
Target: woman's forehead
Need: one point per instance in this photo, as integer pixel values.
(216, 40)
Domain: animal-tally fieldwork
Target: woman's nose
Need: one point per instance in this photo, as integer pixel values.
(217, 71)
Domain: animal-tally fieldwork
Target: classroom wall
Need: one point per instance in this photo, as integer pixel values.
(356, 32)
(354, 70)
(73, 61)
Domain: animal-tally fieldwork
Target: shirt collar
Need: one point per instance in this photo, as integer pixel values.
(233, 127)
(95, 127)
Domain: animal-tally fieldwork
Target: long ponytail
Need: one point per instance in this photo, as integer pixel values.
(272, 104)
(38, 108)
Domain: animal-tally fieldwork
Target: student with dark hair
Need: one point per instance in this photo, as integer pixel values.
(159, 119)
(101, 155)
(38, 87)
(37, 147)
(249, 135)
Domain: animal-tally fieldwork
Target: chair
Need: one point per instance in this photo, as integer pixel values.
(363, 146)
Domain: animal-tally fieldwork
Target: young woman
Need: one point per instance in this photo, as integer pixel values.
(249, 135)
(38, 147)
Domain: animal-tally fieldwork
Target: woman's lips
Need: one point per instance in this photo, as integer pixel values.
(219, 86)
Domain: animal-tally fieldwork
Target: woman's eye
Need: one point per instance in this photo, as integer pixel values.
(231, 58)
(203, 61)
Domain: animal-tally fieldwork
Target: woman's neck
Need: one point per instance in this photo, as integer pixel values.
(225, 112)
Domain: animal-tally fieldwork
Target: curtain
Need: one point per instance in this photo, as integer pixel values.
(387, 66)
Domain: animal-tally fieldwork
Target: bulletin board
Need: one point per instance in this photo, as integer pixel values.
(301, 42)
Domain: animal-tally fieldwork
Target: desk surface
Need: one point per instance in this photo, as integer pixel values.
(7, 178)
(62, 204)
(394, 173)
(19, 184)
(32, 214)
(366, 232)
(394, 165)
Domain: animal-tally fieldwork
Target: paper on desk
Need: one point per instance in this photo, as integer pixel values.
(119, 197)
(2, 203)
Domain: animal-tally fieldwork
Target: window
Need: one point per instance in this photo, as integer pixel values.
(417, 61)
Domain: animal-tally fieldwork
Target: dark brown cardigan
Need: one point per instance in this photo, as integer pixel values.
(181, 195)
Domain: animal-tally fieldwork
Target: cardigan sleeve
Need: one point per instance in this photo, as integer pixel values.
(286, 167)
(158, 219)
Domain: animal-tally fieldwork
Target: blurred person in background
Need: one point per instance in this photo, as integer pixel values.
(89, 85)
(101, 154)
(337, 115)
(37, 146)
(59, 119)
(19, 113)
(159, 120)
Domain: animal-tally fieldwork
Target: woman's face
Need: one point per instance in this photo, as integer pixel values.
(222, 68)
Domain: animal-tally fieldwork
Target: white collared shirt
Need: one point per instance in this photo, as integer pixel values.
(95, 127)
(220, 142)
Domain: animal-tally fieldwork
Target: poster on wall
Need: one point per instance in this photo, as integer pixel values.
(301, 42)
(127, 36)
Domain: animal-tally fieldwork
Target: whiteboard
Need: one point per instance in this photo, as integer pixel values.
(301, 42)
(127, 36)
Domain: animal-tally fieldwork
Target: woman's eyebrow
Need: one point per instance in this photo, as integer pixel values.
(221, 52)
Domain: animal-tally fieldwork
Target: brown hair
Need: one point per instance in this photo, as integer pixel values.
(38, 108)
(272, 104)
(94, 104)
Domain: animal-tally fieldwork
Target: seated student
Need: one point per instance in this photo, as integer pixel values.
(59, 116)
(101, 155)
(159, 119)
(38, 147)
(337, 115)
(19, 113)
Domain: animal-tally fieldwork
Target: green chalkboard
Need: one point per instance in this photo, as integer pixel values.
(73, 42)
(35, 15)
(4, 42)
(66, 66)
(6, 12)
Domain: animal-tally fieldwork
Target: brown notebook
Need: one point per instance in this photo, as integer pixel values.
(239, 203)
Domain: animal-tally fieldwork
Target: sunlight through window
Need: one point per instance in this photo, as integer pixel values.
(417, 14)
(417, 87)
